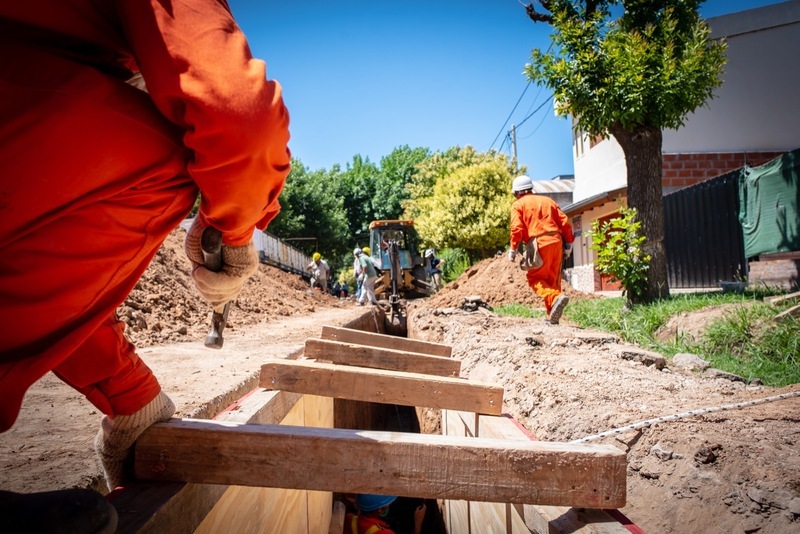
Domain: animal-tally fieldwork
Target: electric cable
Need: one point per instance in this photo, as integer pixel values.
(683, 415)
(509, 115)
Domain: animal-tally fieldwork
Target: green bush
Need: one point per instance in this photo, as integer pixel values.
(618, 244)
(456, 261)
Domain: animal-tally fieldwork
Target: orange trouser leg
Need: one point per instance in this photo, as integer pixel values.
(546, 281)
(93, 182)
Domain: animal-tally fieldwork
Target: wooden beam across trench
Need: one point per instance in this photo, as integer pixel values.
(377, 385)
(394, 463)
(360, 337)
(344, 353)
(179, 507)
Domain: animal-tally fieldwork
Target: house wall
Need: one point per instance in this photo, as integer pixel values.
(756, 108)
(583, 276)
(599, 170)
(776, 270)
(685, 169)
(751, 119)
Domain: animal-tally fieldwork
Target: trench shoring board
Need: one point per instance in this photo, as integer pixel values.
(393, 463)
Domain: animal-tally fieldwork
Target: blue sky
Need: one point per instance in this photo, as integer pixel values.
(365, 77)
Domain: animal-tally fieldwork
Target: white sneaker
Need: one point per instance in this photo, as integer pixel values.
(558, 308)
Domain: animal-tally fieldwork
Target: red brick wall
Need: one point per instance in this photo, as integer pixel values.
(681, 170)
(781, 270)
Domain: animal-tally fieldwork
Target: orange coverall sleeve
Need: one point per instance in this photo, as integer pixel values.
(201, 75)
(519, 232)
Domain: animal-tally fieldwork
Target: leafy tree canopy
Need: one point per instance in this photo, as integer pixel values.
(396, 170)
(467, 204)
(356, 187)
(651, 66)
(310, 208)
(631, 77)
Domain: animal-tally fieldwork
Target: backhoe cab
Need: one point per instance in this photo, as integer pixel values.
(394, 244)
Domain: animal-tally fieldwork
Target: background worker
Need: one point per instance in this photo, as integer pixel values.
(539, 217)
(368, 276)
(123, 168)
(435, 268)
(376, 262)
(372, 514)
(319, 272)
(357, 272)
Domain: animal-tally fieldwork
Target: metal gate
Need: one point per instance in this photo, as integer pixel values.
(702, 235)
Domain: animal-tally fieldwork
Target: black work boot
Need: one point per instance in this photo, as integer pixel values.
(74, 511)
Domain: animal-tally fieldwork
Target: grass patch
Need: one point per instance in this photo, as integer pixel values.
(746, 341)
(518, 310)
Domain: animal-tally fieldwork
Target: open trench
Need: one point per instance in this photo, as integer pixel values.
(357, 415)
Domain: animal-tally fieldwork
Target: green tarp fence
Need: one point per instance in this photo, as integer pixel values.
(769, 198)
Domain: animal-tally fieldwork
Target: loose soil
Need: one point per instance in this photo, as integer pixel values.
(729, 471)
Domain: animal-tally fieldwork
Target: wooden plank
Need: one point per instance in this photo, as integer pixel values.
(550, 519)
(359, 337)
(780, 298)
(516, 518)
(566, 520)
(380, 358)
(262, 406)
(317, 413)
(179, 507)
(393, 463)
(337, 518)
(794, 310)
(284, 510)
(387, 387)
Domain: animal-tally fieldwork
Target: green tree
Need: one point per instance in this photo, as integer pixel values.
(630, 77)
(469, 206)
(310, 208)
(438, 167)
(356, 187)
(396, 170)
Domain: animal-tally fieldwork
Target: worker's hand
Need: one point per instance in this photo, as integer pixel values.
(117, 435)
(238, 264)
(419, 517)
(567, 250)
(512, 255)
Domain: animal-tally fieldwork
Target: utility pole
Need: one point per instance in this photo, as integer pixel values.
(514, 145)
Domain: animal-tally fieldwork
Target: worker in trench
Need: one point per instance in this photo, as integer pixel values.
(96, 173)
(373, 515)
(539, 224)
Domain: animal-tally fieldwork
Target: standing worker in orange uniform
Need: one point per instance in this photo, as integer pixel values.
(539, 217)
(97, 172)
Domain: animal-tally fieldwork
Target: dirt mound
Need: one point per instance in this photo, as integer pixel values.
(730, 471)
(498, 282)
(165, 307)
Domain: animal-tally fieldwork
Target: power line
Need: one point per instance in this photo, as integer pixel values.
(535, 110)
(537, 127)
(509, 115)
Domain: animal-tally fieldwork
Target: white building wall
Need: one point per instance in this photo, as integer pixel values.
(600, 169)
(756, 108)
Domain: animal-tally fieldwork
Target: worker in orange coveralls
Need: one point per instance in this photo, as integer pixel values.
(539, 217)
(96, 172)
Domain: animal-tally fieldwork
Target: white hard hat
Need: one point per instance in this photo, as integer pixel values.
(357, 251)
(521, 183)
(429, 252)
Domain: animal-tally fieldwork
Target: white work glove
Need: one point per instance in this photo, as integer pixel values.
(116, 437)
(238, 264)
(567, 250)
(512, 255)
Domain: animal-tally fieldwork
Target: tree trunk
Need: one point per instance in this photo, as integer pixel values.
(642, 149)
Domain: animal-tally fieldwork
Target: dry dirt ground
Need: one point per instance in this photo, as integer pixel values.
(728, 471)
